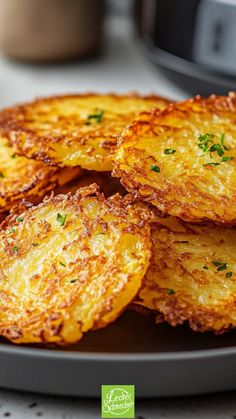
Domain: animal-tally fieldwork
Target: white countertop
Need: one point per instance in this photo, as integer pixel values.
(122, 67)
(28, 406)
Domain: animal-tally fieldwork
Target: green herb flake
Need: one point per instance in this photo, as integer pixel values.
(11, 230)
(73, 280)
(221, 266)
(218, 148)
(61, 219)
(222, 141)
(97, 116)
(155, 168)
(226, 159)
(62, 263)
(204, 140)
(2, 175)
(205, 267)
(206, 143)
(15, 248)
(170, 291)
(14, 155)
(212, 164)
(217, 263)
(19, 219)
(169, 151)
(35, 244)
(229, 274)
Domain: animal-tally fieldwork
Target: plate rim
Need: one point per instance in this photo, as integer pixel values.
(117, 357)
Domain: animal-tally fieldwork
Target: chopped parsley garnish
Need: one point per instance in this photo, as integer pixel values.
(35, 244)
(61, 219)
(19, 219)
(11, 230)
(226, 158)
(155, 168)
(169, 151)
(218, 263)
(221, 266)
(207, 144)
(170, 291)
(62, 264)
(229, 274)
(14, 155)
(73, 280)
(205, 267)
(218, 148)
(204, 140)
(97, 116)
(222, 140)
(212, 164)
(15, 248)
(2, 175)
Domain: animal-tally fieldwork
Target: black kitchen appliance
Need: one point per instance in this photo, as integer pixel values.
(193, 40)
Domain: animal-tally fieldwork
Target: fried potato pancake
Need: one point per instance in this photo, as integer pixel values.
(74, 130)
(22, 178)
(183, 160)
(79, 267)
(108, 186)
(192, 275)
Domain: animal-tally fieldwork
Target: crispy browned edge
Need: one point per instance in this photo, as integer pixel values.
(46, 185)
(117, 203)
(11, 127)
(40, 187)
(214, 103)
(177, 311)
(108, 185)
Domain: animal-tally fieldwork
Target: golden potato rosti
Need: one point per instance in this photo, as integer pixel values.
(74, 130)
(183, 160)
(192, 276)
(22, 178)
(81, 264)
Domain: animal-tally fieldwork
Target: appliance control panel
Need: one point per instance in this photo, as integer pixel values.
(215, 35)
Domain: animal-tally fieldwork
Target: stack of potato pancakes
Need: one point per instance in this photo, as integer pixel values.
(109, 201)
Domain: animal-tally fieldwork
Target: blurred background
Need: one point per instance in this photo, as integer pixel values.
(174, 48)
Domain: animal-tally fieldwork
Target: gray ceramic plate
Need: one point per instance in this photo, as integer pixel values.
(159, 360)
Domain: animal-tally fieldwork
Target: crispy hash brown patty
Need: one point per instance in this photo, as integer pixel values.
(74, 130)
(79, 267)
(22, 178)
(192, 275)
(183, 160)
